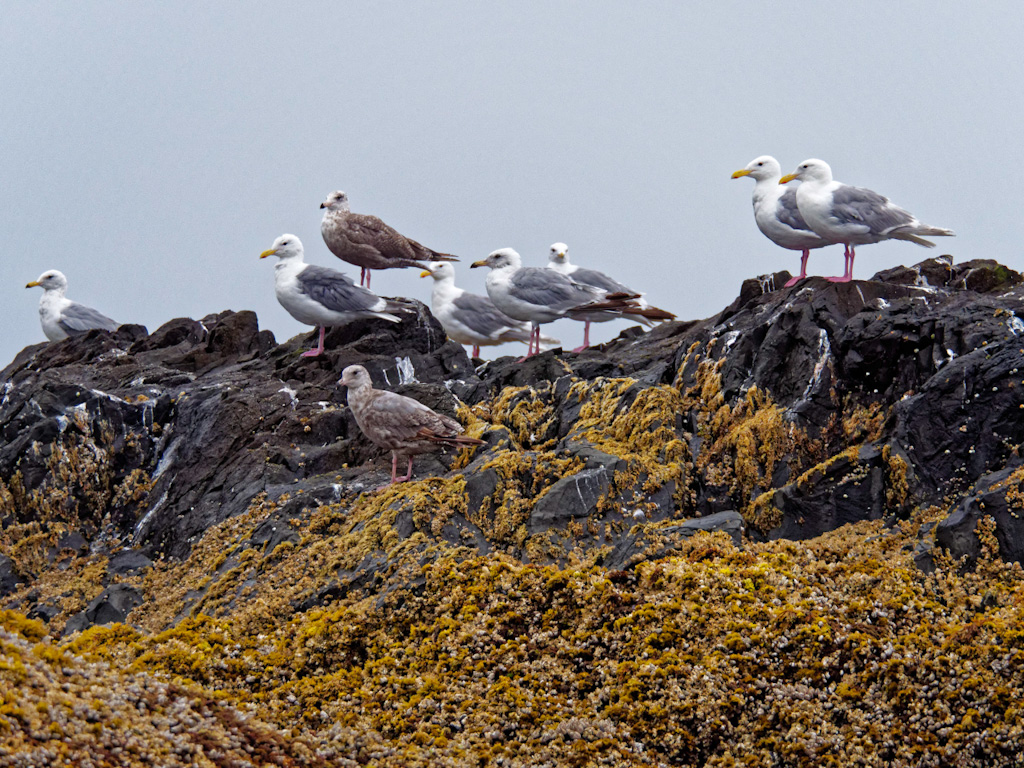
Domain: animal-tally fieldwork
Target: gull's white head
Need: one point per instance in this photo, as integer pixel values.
(559, 253)
(50, 280)
(810, 170)
(502, 258)
(336, 201)
(285, 247)
(760, 168)
(439, 270)
(355, 376)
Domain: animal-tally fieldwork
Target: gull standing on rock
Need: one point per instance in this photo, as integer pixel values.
(558, 260)
(318, 295)
(398, 423)
(61, 317)
(853, 215)
(543, 295)
(776, 212)
(471, 319)
(368, 242)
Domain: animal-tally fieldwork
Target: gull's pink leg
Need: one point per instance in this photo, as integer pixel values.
(534, 332)
(848, 262)
(476, 350)
(408, 474)
(319, 347)
(586, 337)
(803, 270)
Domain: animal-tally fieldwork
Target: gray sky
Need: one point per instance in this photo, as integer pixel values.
(150, 151)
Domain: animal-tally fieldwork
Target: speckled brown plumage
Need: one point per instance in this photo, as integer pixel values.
(398, 423)
(368, 242)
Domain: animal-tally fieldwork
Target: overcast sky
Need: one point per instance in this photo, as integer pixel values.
(151, 151)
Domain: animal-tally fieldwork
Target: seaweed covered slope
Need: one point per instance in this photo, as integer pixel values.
(777, 536)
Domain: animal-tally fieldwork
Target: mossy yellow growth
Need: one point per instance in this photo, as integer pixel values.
(744, 443)
(897, 488)
(527, 413)
(522, 479)
(643, 433)
(78, 494)
(714, 656)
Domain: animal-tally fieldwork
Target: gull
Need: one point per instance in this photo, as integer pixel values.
(776, 212)
(398, 423)
(558, 260)
(471, 319)
(61, 317)
(853, 215)
(318, 295)
(368, 242)
(542, 295)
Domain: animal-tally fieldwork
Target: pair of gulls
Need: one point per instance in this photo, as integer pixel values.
(822, 211)
(520, 299)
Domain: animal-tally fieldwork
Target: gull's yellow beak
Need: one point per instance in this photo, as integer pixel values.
(270, 252)
(426, 273)
(788, 178)
(481, 263)
(743, 172)
(33, 284)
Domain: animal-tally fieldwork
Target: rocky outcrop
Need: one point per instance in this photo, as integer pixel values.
(802, 409)
(677, 505)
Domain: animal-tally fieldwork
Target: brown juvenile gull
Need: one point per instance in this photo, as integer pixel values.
(776, 212)
(558, 260)
(318, 295)
(471, 319)
(402, 425)
(368, 242)
(61, 317)
(853, 215)
(543, 295)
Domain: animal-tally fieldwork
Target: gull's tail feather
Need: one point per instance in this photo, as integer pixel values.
(913, 234)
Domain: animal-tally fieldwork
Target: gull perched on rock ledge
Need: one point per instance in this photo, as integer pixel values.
(398, 423)
(471, 319)
(558, 260)
(853, 215)
(776, 212)
(368, 242)
(318, 295)
(61, 317)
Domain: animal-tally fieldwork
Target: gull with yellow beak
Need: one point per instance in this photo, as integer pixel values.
(321, 296)
(853, 215)
(61, 317)
(776, 212)
(540, 296)
(471, 319)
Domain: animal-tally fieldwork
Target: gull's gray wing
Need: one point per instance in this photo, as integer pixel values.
(547, 288)
(856, 205)
(479, 314)
(787, 212)
(598, 280)
(336, 291)
(78, 318)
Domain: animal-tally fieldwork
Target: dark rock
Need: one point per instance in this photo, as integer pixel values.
(45, 612)
(72, 543)
(127, 561)
(999, 495)
(571, 497)
(270, 533)
(111, 606)
(10, 577)
(645, 542)
(848, 489)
